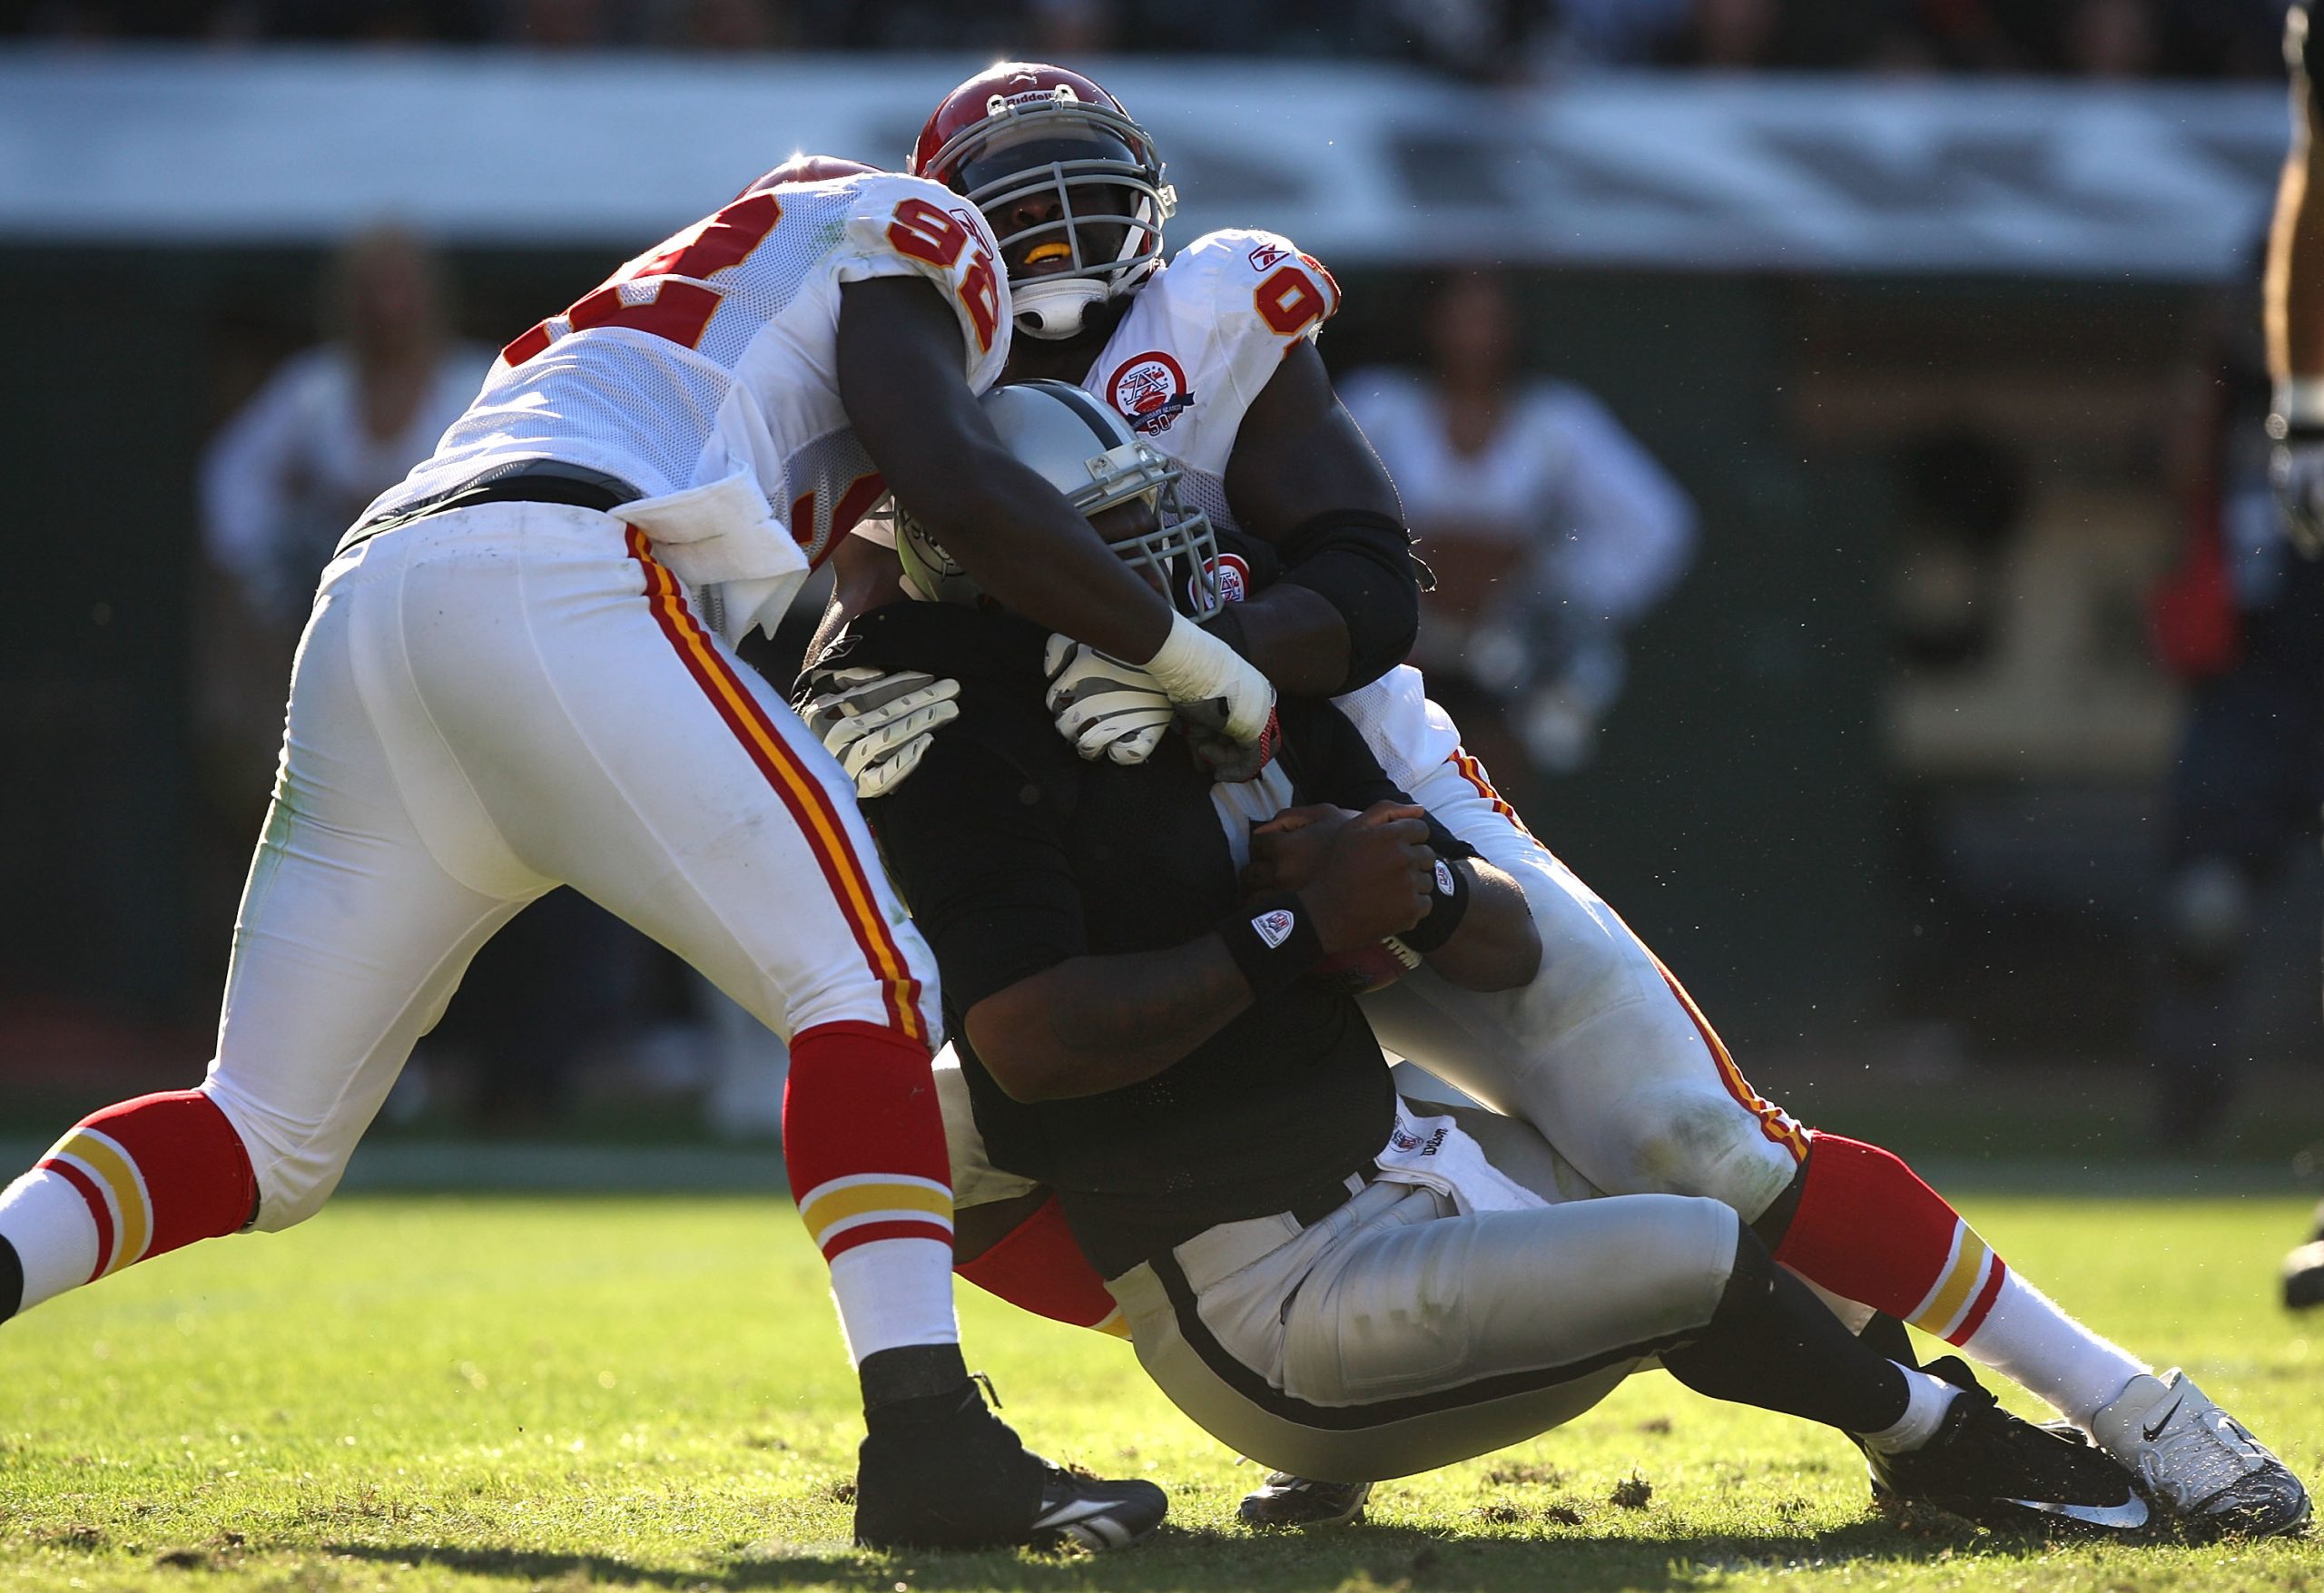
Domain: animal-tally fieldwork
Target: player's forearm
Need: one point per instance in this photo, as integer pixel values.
(899, 374)
(1295, 638)
(1496, 945)
(1095, 1024)
(1021, 544)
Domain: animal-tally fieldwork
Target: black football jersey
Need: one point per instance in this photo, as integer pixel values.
(1015, 855)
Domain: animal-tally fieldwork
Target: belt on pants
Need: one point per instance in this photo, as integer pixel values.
(528, 481)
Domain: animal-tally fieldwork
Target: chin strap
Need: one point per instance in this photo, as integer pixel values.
(1055, 308)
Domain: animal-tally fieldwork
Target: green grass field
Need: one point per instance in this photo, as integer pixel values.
(473, 1392)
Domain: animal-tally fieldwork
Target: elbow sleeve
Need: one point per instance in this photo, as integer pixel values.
(1362, 563)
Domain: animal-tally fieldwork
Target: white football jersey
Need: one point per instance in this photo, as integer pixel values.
(1203, 336)
(704, 372)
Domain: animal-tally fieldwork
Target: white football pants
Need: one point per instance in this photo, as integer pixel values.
(489, 703)
(1600, 1052)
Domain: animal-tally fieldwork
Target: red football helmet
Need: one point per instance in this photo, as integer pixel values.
(809, 169)
(1023, 143)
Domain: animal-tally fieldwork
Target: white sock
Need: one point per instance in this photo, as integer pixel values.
(1926, 1401)
(2027, 1339)
(893, 1292)
(55, 1238)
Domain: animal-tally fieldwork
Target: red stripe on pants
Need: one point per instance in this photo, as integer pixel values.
(809, 804)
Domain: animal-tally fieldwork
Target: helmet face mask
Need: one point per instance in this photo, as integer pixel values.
(1073, 164)
(1108, 473)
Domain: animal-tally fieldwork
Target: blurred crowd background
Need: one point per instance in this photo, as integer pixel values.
(1483, 38)
(1904, 645)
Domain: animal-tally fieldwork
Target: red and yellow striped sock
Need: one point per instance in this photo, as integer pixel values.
(864, 1143)
(131, 1182)
(1870, 1231)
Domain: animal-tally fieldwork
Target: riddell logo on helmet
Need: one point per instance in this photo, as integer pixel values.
(1232, 576)
(1062, 94)
(1150, 391)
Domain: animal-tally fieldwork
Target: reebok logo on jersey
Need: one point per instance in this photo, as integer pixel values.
(1265, 256)
(1274, 928)
(1150, 391)
(1444, 878)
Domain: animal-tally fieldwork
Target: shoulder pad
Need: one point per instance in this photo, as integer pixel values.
(1260, 276)
(894, 223)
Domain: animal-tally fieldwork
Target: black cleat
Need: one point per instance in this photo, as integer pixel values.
(1285, 1500)
(1989, 1467)
(1093, 1513)
(950, 1474)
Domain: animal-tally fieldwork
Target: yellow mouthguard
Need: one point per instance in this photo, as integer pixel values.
(1052, 249)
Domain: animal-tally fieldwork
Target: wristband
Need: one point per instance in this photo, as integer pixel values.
(1447, 906)
(1273, 940)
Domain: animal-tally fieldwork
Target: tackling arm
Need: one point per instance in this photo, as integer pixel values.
(1303, 477)
(900, 381)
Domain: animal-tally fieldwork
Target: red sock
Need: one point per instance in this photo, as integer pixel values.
(1037, 1266)
(1868, 1230)
(863, 1140)
(157, 1173)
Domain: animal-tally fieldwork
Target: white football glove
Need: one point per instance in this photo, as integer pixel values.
(1219, 685)
(878, 724)
(1105, 707)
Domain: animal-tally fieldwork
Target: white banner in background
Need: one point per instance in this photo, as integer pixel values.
(1364, 165)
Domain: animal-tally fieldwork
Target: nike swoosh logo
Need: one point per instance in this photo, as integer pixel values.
(2149, 1434)
(2130, 1514)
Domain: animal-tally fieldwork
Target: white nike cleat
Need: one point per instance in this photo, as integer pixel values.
(2200, 1461)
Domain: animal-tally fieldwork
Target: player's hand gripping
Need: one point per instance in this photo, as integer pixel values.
(1288, 849)
(1375, 877)
(1217, 686)
(1105, 707)
(877, 724)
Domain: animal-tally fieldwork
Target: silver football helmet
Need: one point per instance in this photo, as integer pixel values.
(1087, 452)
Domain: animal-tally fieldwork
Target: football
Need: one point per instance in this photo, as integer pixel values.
(1368, 968)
